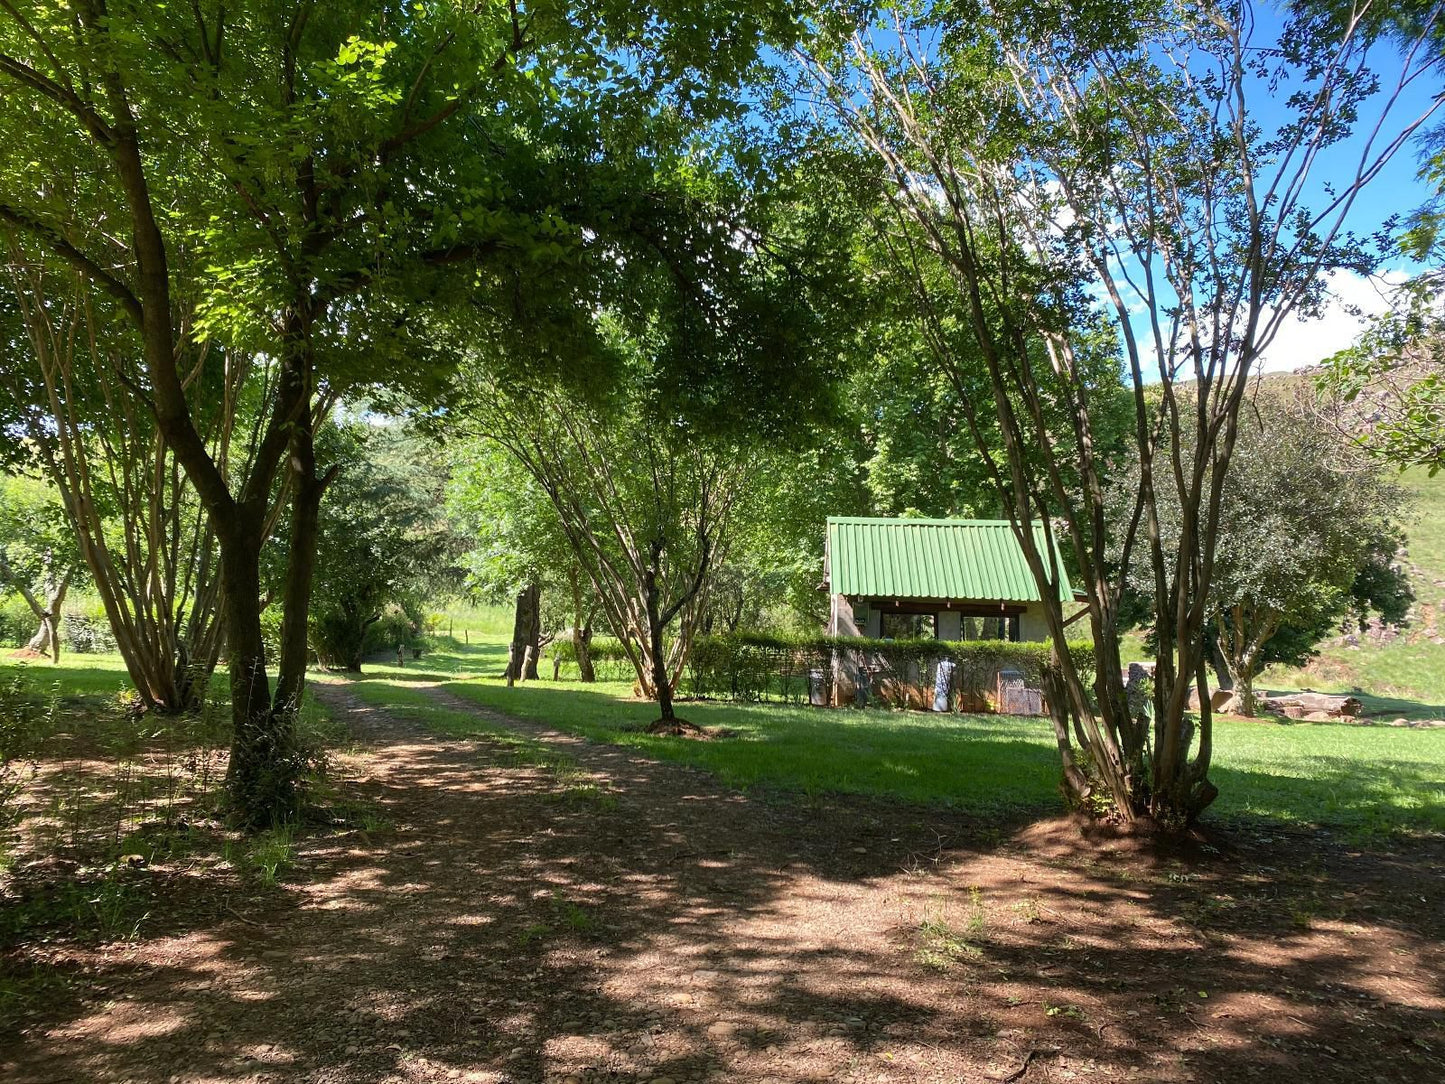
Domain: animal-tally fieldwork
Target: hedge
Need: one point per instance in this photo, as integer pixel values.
(759, 667)
(609, 658)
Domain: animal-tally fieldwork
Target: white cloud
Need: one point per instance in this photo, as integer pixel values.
(1354, 298)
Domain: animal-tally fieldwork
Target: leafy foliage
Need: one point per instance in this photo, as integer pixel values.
(382, 542)
(1308, 535)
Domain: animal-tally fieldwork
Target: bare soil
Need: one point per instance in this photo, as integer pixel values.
(625, 920)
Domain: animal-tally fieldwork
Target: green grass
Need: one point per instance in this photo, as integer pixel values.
(468, 623)
(75, 676)
(1359, 779)
(1364, 780)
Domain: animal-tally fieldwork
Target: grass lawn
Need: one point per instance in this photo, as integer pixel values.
(1363, 779)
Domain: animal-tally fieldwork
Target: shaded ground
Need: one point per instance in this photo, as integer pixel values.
(522, 916)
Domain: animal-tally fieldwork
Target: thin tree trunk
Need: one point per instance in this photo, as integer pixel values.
(661, 683)
(301, 561)
(526, 632)
(582, 643)
(534, 639)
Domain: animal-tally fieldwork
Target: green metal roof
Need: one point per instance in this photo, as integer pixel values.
(973, 559)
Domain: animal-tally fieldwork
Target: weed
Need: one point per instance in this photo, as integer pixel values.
(112, 907)
(941, 945)
(976, 918)
(1028, 910)
(533, 933)
(264, 856)
(573, 917)
(590, 793)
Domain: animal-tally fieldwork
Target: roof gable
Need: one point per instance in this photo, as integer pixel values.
(975, 559)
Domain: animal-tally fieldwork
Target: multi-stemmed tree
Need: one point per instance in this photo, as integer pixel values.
(1152, 166)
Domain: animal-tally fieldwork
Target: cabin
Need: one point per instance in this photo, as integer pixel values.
(949, 579)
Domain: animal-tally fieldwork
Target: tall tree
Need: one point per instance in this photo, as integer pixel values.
(699, 366)
(380, 542)
(1152, 166)
(518, 551)
(290, 178)
(646, 507)
(144, 539)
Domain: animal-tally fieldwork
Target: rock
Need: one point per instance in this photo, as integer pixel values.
(722, 1029)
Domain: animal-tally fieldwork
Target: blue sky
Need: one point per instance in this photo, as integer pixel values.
(1394, 193)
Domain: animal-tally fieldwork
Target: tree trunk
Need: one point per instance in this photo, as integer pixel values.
(259, 791)
(46, 640)
(1245, 691)
(661, 683)
(526, 631)
(582, 644)
(306, 493)
(1219, 663)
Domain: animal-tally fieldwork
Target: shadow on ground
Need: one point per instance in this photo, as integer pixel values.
(573, 911)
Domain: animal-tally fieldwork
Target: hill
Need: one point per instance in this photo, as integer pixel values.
(1397, 672)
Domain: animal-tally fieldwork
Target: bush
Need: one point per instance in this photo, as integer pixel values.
(609, 658)
(755, 667)
(17, 623)
(87, 633)
(395, 627)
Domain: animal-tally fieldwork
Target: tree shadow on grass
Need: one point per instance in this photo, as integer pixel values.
(606, 916)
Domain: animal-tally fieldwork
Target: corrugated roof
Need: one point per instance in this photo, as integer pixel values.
(932, 559)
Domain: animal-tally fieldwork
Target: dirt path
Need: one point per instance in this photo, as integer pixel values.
(626, 920)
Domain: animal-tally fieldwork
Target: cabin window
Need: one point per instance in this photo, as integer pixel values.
(1001, 627)
(909, 626)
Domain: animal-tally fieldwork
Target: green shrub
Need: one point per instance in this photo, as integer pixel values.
(17, 623)
(87, 632)
(754, 666)
(609, 657)
(394, 628)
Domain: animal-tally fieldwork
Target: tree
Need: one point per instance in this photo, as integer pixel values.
(1307, 534)
(518, 550)
(380, 541)
(699, 367)
(1387, 389)
(38, 556)
(1027, 151)
(292, 180)
(143, 538)
(646, 507)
